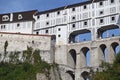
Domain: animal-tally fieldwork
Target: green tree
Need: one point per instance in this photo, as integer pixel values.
(111, 72)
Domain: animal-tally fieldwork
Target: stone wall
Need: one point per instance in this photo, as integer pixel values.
(20, 42)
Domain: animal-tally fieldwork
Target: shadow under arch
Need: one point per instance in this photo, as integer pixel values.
(71, 73)
(103, 52)
(85, 57)
(85, 75)
(104, 29)
(75, 33)
(72, 58)
(116, 47)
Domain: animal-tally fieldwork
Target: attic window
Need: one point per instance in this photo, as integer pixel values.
(20, 16)
(5, 18)
(18, 25)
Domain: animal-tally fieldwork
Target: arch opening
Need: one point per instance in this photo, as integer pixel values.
(86, 56)
(116, 47)
(103, 53)
(72, 58)
(71, 73)
(85, 75)
(80, 36)
(108, 31)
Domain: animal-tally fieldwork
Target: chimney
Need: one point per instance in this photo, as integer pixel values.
(11, 17)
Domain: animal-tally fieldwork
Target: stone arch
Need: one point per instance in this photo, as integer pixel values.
(84, 57)
(102, 52)
(105, 31)
(71, 75)
(85, 75)
(72, 58)
(73, 35)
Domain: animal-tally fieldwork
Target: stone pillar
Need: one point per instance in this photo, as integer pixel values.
(93, 34)
(94, 55)
(111, 54)
(82, 60)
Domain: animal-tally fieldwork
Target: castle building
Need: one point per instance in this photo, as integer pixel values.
(90, 16)
(64, 24)
(19, 22)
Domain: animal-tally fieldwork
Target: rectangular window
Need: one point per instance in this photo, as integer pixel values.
(113, 18)
(47, 23)
(18, 25)
(101, 4)
(73, 26)
(112, 1)
(38, 17)
(73, 9)
(101, 13)
(73, 18)
(46, 31)
(58, 13)
(47, 15)
(101, 21)
(85, 23)
(85, 7)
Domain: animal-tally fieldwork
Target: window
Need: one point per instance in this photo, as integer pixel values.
(101, 12)
(59, 35)
(101, 21)
(47, 23)
(85, 23)
(20, 16)
(18, 25)
(46, 31)
(47, 15)
(58, 13)
(73, 18)
(37, 33)
(5, 18)
(101, 3)
(2, 26)
(84, 7)
(73, 9)
(73, 25)
(38, 17)
(59, 29)
(112, 18)
(112, 1)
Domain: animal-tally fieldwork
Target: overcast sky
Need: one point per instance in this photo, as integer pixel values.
(7, 6)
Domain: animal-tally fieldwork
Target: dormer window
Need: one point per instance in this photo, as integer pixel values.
(20, 16)
(5, 18)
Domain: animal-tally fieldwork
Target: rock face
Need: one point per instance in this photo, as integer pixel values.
(41, 76)
(53, 75)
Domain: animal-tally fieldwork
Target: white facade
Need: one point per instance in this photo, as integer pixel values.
(87, 15)
(17, 27)
(19, 22)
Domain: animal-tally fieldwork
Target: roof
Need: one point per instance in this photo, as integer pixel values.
(69, 6)
(24, 16)
(25, 34)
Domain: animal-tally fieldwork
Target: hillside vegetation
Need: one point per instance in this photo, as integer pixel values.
(111, 72)
(27, 70)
